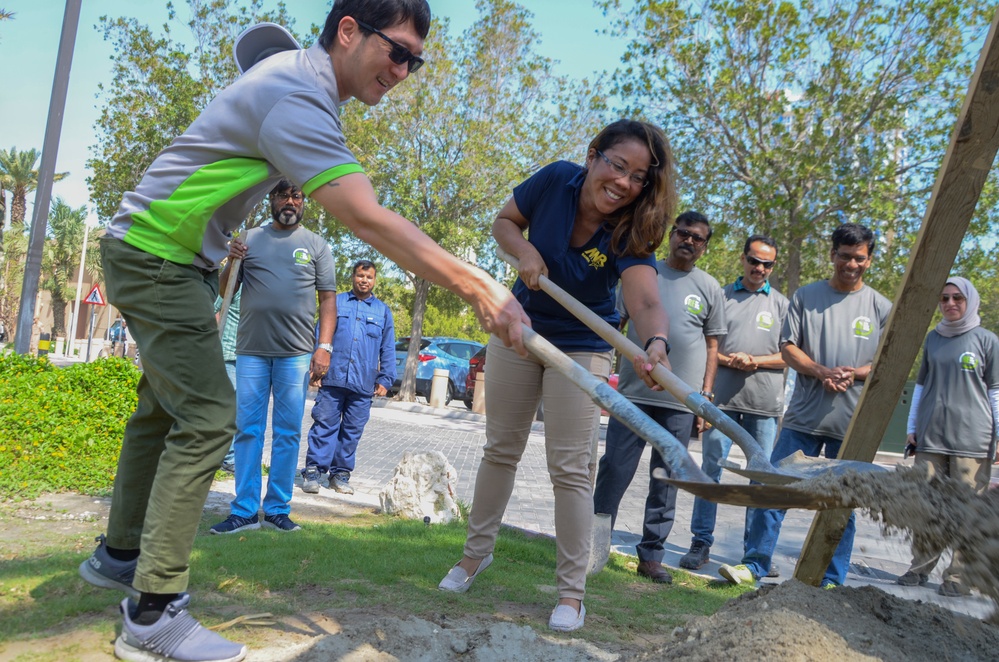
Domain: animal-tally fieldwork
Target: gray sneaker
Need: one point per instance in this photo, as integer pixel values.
(341, 483)
(310, 480)
(176, 636)
(106, 572)
(235, 523)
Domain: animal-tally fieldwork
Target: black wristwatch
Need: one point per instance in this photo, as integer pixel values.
(655, 338)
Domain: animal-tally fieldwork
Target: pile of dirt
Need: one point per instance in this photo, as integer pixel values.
(793, 621)
(934, 512)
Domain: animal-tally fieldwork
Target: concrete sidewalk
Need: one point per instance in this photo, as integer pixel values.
(396, 428)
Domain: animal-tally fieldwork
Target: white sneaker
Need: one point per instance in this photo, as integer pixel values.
(565, 619)
(459, 581)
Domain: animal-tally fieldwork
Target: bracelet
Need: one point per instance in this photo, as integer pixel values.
(708, 394)
(655, 338)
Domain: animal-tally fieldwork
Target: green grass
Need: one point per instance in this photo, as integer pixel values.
(371, 561)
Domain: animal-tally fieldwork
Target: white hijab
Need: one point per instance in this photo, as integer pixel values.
(970, 319)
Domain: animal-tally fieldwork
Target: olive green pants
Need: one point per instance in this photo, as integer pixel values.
(185, 417)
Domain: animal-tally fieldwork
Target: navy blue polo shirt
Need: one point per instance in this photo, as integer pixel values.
(548, 201)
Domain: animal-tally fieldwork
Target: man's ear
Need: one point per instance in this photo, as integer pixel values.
(347, 32)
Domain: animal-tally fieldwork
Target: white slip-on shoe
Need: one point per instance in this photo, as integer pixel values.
(459, 581)
(565, 619)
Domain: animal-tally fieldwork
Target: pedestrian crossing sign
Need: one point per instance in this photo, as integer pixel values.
(95, 296)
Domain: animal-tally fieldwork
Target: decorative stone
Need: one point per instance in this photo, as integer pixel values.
(422, 487)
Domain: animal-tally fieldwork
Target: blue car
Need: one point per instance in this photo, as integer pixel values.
(436, 353)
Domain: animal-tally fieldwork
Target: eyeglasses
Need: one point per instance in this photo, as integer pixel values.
(297, 197)
(846, 257)
(756, 262)
(399, 53)
(956, 298)
(695, 238)
(619, 171)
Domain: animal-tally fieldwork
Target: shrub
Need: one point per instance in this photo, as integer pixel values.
(61, 428)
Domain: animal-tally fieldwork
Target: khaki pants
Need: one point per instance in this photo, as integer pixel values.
(974, 472)
(185, 417)
(514, 387)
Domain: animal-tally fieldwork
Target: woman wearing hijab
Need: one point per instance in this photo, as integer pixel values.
(952, 423)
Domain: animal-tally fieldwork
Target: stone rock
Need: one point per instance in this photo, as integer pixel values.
(422, 487)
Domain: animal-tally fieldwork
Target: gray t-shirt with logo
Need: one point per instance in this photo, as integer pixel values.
(954, 416)
(693, 301)
(280, 275)
(834, 329)
(754, 325)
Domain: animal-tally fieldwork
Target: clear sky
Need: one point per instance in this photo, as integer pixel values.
(569, 31)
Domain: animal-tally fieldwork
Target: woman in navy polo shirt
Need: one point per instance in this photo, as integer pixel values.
(587, 228)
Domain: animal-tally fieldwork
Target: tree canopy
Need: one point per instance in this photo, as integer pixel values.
(789, 118)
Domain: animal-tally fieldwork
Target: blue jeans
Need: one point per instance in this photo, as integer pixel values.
(617, 469)
(339, 417)
(230, 457)
(715, 447)
(257, 377)
(764, 526)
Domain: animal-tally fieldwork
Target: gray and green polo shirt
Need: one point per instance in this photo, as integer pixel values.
(280, 119)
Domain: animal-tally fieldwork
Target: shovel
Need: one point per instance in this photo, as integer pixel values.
(758, 467)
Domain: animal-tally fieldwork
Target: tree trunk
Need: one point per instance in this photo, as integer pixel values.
(58, 316)
(407, 390)
(792, 272)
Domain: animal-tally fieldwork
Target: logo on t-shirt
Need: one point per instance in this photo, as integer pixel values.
(969, 361)
(693, 304)
(862, 328)
(594, 258)
(302, 256)
(765, 321)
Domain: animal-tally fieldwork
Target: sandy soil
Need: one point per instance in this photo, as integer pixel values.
(789, 621)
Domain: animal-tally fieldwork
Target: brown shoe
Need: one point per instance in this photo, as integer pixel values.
(655, 571)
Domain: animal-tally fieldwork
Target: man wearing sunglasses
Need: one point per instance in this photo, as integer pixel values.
(161, 254)
(693, 300)
(749, 386)
(829, 338)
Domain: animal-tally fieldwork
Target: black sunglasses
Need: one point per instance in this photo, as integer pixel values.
(399, 53)
(695, 238)
(756, 262)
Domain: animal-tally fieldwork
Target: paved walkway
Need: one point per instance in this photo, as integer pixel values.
(396, 428)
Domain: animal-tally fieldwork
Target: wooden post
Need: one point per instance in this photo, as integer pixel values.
(959, 184)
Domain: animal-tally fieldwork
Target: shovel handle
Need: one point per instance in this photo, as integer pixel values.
(230, 289)
(756, 457)
(682, 466)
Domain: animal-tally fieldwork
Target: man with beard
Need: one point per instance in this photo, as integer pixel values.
(283, 266)
(693, 300)
(362, 366)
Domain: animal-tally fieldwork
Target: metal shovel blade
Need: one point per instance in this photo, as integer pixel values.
(799, 466)
(751, 496)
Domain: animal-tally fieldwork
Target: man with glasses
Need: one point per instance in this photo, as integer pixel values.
(749, 386)
(829, 338)
(693, 300)
(280, 118)
(283, 266)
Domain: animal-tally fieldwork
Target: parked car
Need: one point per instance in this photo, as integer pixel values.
(451, 354)
(478, 363)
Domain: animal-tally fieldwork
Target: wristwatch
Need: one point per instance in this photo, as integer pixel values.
(655, 338)
(709, 395)
(325, 345)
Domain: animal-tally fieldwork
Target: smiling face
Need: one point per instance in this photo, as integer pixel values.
(953, 305)
(849, 265)
(363, 282)
(609, 190)
(361, 60)
(755, 274)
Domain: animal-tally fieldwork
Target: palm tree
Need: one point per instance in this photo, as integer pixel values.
(62, 257)
(20, 177)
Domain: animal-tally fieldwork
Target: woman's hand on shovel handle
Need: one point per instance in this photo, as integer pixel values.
(645, 364)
